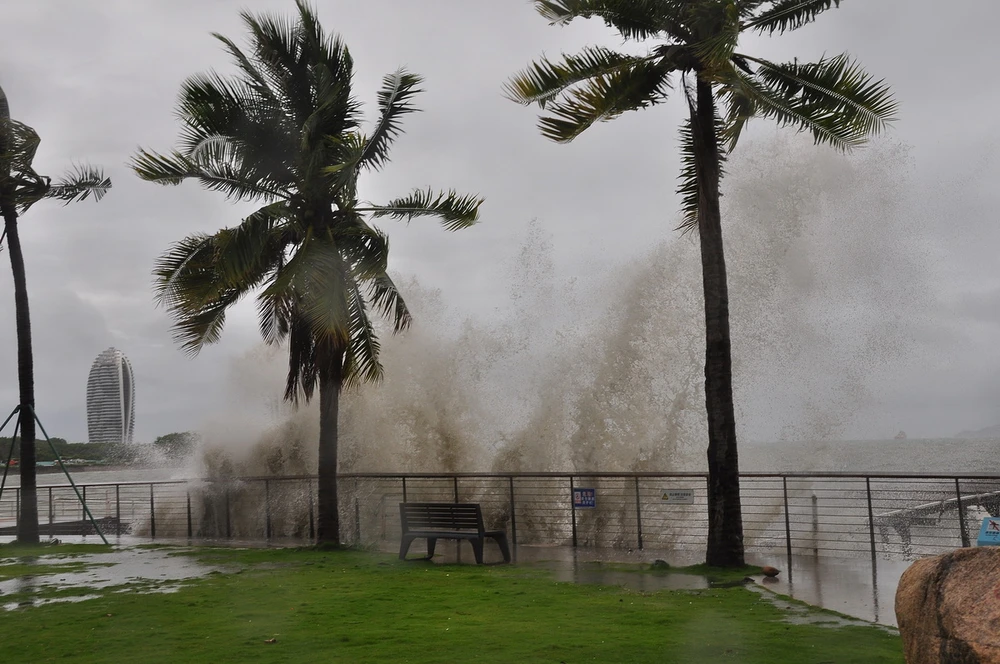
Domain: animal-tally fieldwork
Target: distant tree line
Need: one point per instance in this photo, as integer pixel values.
(172, 446)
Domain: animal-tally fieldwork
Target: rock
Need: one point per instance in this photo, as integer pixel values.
(772, 572)
(948, 608)
(660, 564)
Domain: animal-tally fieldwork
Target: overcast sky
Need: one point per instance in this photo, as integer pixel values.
(99, 78)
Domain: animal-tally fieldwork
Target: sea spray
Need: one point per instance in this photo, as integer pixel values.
(604, 371)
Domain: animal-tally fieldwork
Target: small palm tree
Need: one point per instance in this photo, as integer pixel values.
(285, 132)
(696, 40)
(20, 188)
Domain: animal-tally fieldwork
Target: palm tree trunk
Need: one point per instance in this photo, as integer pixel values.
(28, 521)
(27, 525)
(725, 520)
(328, 521)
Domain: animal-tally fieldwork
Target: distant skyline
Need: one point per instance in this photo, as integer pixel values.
(97, 80)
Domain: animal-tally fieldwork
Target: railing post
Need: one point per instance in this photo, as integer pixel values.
(572, 505)
(404, 490)
(229, 523)
(513, 518)
(871, 516)
(267, 509)
(961, 514)
(83, 507)
(51, 512)
(118, 511)
(455, 480)
(190, 525)
(312, 519)
(815, 508)
(638, 514)
(788, 525)
(152, 513)
(17, 508)
(357, 520)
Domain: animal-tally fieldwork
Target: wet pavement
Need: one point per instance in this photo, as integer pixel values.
(124, 569)
(851, 586)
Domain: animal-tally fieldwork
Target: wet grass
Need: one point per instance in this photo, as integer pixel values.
(313, 606)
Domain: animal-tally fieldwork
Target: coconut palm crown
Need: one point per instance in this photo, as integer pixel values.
(20, 188)
(695, 43)
(285, 133)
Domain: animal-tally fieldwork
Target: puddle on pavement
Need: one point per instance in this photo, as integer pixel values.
(126, 570)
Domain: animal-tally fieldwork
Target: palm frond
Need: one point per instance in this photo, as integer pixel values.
(834, 89)
(364, 247)
(633, 19)
(454, 210)
(825, 125)
(544, 80)
(720, 22)
(79, 184)
(688, 188)
(394, 101)
(603, 98)
(23, 143)
(787, 15)
(316, 278)
(212, 171)
(361, 357)
(387, 299)
(303, 365)
(254, 248)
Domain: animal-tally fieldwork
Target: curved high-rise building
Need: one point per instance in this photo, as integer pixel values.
(111, 399)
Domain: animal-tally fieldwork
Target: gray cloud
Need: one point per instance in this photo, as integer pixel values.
(98, 79)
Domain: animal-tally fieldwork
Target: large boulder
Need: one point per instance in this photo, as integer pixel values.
(948, 608)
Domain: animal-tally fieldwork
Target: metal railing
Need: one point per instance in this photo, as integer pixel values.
(887, 515)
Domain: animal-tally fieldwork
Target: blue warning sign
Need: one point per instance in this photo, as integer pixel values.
(584, 498)
(989, 532)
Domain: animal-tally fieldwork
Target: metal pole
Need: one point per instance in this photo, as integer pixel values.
(513, 519)
(357, 518)
(86, 510)
(83, 512)
(456, 487)
(152, 513)
(572, 504)
(118, 511)
(815, 526)
(312, 521)
(190, 528)
(11, 454)
(961, 514)
(51, 512)
(788, 526)
(267, 509)
(638, 513)
(871, 516)
(404, 489)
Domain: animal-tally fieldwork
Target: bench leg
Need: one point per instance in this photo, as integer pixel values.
(404, 546)
(504, 549)
(477, 548)
(431, 542)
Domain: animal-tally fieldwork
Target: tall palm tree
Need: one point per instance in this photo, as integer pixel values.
(20, 188)
(284, 131)
(697, 40)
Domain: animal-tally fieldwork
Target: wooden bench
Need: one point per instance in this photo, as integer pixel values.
(458, 521)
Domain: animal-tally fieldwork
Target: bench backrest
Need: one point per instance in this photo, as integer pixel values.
(441, 516)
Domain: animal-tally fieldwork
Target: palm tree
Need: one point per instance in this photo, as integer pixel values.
(833, 99)
(285, 132)
(20, 188)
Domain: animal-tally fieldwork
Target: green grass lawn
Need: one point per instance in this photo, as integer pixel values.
(284, 605)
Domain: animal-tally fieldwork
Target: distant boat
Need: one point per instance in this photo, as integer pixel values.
(901, 435)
